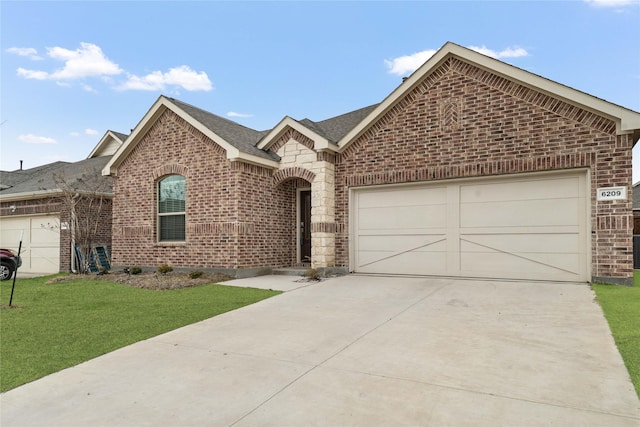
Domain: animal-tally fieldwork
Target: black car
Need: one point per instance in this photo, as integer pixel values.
(9, 262)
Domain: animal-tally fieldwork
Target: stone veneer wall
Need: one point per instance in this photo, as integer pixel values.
(297, 155)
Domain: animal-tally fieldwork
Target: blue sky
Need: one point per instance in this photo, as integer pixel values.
(70, 71)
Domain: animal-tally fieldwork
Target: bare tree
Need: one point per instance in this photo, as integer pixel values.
(86, 200)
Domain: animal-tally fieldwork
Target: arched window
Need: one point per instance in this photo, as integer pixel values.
(172, 192)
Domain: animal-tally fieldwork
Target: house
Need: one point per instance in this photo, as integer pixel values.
(469, 168)
(32, 204)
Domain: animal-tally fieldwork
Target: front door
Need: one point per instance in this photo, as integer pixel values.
(305, 226)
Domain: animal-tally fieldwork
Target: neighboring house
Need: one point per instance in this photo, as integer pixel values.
(470, 167)
(32, 204)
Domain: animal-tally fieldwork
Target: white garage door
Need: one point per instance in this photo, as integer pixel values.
(532, 227)
(40, 242)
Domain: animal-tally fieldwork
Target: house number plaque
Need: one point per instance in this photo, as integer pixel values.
(612, 193)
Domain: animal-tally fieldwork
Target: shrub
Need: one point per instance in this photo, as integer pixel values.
(312, 274)
(164, 269)
(135, 270)
(195, 274)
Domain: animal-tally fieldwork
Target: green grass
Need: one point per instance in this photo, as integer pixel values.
(621, 306)
(63, 324)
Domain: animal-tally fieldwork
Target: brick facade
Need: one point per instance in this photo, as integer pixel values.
(236, 216)
(462, 121)
(459, 121)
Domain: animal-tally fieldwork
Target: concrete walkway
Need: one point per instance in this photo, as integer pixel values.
(362, 351)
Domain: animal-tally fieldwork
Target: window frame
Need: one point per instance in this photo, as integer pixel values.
(160, 215)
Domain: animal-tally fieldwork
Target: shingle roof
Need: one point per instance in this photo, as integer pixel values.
(82, 176)
(10, 178)
(122, 136)
(336, 127)
(241, 137)
(246, 139)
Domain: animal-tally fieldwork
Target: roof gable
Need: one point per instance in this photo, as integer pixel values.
(288, 123)
(627, 121)
(108, 144)
(237, 140)
(325, 134)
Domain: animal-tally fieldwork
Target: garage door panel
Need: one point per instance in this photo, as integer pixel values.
(482, 258)
(414, 263)
(11, 237)
(403, 197)
(524, 227)
(419, 217)
(534, 213)
(44, 259)
(535, 189)
(514, 243)
(556, 267)
(397, 243)
(44, 233)
(40, 241)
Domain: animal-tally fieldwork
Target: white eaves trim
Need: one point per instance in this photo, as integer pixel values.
(627, 121)
(255, 160)
(156, 110)
(105, 142)
(319, 142)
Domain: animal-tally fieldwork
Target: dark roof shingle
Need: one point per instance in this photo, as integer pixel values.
(241, 137)
(84, 175)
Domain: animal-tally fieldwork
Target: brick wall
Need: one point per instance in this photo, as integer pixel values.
(462, 121)
(236, 217)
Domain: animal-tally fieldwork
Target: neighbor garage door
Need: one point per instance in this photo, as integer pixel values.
(40, 242)
(529, 227)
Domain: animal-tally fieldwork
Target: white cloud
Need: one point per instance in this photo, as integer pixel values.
(89, 61)
(181, 76)
(25, 51)
(611, 3)
(88, 88)
(407, 64)
(34, 139)
(31, 74)
(240, 115)
(86, 61)
(90, 132)
(403, 65)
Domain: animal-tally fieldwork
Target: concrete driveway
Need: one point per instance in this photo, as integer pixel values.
(358, 350)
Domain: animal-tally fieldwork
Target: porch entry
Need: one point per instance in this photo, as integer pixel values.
(304, 226)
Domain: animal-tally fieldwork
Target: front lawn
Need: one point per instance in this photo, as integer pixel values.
(63, 324)
(621, 306)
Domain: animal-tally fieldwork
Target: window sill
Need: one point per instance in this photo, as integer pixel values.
(169, 244)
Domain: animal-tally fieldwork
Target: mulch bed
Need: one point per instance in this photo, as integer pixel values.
(150, 280)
